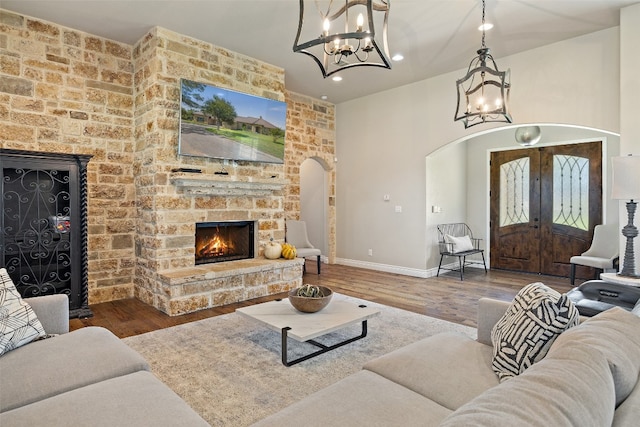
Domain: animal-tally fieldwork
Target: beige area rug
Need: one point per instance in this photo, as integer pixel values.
(228, 368)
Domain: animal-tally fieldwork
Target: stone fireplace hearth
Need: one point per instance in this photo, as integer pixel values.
(213, 285)
(205, 242)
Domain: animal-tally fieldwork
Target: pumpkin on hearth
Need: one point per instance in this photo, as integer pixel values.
(272, 250)
(288, 251)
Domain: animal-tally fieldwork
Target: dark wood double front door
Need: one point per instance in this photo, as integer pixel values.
(545, 203)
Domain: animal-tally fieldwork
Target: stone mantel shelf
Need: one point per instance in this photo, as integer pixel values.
(197, 184)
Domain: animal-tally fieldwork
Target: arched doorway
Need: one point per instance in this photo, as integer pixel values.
(545, 203)
(457, 177)
(314, 206)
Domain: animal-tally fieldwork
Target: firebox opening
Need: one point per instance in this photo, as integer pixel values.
(224, 241)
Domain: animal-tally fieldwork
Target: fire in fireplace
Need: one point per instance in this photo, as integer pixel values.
(224, 241)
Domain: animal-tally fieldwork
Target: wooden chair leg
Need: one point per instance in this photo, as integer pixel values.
(573, 274)
(318, 264)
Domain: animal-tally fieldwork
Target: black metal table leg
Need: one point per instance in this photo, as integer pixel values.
(323, 348)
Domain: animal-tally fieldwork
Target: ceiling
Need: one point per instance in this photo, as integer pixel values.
(435, 36)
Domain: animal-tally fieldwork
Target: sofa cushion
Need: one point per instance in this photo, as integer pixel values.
(19, 325)
(616, 334)
(137, 399)
(66, 362)
(448, 368)
(628, 412)
(537, 315)
(572, 387)
(362, 399)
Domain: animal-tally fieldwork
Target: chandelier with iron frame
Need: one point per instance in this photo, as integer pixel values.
(356, 46)
(483, 93)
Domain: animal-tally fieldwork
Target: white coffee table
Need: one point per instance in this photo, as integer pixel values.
(280, 316)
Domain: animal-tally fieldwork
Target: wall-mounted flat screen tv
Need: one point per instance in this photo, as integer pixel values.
(225, 124)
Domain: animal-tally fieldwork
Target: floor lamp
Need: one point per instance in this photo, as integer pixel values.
(626, 186)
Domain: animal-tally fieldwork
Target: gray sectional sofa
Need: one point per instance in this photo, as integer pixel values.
(85, 377)
(589, 377)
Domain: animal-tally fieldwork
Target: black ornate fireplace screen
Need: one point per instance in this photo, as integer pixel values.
(43, 225)
(224, 241)
(37, 222)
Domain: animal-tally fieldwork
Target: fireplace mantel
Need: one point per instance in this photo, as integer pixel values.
(197, 184)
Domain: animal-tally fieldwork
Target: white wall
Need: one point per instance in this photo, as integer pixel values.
(383, 139)
(446, 182)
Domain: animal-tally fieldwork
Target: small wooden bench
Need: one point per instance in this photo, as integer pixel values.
(453, 242)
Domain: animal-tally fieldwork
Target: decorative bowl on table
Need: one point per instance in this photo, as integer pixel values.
(310, 298)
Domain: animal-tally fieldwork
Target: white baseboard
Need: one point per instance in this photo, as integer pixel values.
(406, 271)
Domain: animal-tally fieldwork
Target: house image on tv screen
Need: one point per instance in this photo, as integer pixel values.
(225, 124)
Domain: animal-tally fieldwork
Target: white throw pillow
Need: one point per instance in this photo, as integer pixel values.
(523, 336)
(19, 324)
(459, 244)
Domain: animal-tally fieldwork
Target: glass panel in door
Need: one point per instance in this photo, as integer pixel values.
(514, 194)
(571, 191)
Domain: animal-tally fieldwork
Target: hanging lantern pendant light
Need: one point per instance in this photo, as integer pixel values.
(361, 44)
(483, 93)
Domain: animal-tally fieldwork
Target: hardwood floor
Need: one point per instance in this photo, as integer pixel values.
(444, 297)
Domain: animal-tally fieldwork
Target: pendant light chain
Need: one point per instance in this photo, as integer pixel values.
(483, 45)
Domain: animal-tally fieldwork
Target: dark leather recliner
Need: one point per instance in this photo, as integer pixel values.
(595, 296)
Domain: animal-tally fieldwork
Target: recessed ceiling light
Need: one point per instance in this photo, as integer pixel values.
(337, 78)
(485, 27)
(324, 97)
(397, 57)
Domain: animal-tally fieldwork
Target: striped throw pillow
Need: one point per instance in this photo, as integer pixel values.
(18, 322)
(537, 315)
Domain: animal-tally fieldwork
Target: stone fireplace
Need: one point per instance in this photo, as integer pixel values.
(206, 238)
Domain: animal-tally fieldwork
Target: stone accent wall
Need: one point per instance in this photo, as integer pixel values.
(66, 91)
(63, 90)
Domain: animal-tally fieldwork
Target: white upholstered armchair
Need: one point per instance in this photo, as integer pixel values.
(602, 254)
(296, 234)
